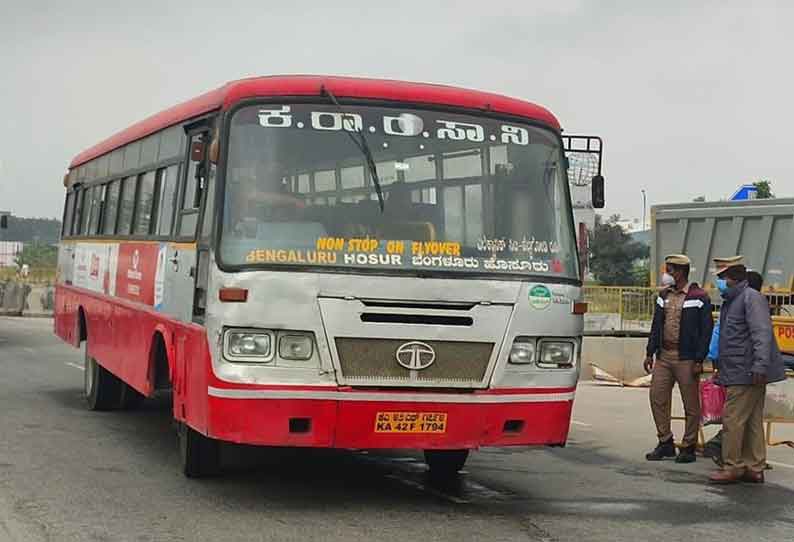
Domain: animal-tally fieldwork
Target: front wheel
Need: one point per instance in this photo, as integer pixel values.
(199, 455)
(445, 463)
(102, 388)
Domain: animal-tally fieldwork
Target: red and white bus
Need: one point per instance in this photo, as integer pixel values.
(330, 262)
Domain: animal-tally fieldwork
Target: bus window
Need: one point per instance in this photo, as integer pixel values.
(96, 208)
(127, 203)
(111, 208)
(191, 196)
(84, 220)
(78, 212)
(187, 224)
(145, 205)
(67, 215)
(172, 141)
(191, 193)
(168, 178)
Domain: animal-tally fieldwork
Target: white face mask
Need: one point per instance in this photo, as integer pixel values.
(668, 280)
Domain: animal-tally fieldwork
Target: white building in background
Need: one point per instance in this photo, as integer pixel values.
(583, 212)
(8, 252)
(631, 225)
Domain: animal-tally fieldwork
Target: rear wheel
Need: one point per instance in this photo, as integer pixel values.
(199, 455)
(130, 397)
(102, 388)
(445, 463)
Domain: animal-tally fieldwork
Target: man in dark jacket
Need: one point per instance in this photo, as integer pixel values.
(748, 359)
(713, 448)
(679, 341)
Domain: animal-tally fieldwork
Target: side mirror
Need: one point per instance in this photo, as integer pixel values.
(3, 222)
(597, 188)
(197, 150)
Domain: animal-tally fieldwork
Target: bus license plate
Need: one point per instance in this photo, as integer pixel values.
(411, 422)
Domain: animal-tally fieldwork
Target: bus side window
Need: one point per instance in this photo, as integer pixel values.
(84, 220)
(111, 208)
(144, 207)
(168, 184)
(68, 211)
(78, 211)
(96, 208)
(192, 189)
(127, 203)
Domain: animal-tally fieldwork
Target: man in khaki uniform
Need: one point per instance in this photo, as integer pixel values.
(748, 359)
(677, 345)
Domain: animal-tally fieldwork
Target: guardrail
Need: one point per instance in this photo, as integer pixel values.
(34, 276)
(619, 308)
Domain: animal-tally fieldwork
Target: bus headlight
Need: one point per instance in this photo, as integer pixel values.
(295, 346)
(556, 354)
(248, 345)
(523, 351)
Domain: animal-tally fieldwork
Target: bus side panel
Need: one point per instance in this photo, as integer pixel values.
(192, 365)
(65, 314)
(120, 337)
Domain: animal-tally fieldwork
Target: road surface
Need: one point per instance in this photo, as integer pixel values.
(67, 474)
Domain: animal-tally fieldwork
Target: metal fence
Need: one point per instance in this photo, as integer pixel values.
(630, 309)
(619, 308)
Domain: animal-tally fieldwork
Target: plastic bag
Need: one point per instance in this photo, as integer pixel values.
(712, 401)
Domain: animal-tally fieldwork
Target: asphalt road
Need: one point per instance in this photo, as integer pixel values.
(67, 474)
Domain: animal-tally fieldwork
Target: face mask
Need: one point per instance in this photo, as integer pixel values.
(668, 280)
(722, 285)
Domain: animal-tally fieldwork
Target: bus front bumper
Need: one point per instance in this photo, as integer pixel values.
(344, 418)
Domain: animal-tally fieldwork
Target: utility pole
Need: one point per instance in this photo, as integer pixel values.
(643, 209)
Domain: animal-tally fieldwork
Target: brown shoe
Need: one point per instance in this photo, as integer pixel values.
(753, 477)
(726, 476)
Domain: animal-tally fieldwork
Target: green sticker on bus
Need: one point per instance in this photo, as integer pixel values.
(540, 297)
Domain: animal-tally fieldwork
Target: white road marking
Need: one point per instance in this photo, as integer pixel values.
(777, 464)
(574, 422)
(76, 366)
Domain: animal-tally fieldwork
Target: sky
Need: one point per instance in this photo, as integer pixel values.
(691, 98)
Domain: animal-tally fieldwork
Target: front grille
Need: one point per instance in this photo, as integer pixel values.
(374, 362)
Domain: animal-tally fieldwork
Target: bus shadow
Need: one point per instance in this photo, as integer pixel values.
(335, 477)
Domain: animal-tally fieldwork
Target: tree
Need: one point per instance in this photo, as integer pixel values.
(38, 256)
(613, 254)
(764, 190)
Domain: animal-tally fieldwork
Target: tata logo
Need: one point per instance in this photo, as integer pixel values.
(415, 355)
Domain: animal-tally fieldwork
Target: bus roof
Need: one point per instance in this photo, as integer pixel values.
(311, 85)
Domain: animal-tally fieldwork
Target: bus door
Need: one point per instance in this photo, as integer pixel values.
(181, 297)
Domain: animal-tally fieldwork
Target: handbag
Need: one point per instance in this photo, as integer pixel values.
(712, 402)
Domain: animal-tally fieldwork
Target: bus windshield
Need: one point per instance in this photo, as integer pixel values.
(462, 193)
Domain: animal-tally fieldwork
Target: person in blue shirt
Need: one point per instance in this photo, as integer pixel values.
(713, 448)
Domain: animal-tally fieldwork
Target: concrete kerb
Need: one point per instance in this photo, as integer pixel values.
(621, 357)
(22, 299)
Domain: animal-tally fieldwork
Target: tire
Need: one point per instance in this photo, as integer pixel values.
(130, 398)
(101, 387)
(445, 463)
(199, 455)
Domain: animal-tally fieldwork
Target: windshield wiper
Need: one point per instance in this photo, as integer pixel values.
(363, 146)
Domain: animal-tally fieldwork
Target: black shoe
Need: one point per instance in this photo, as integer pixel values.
(686, 455)
(662, 450)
